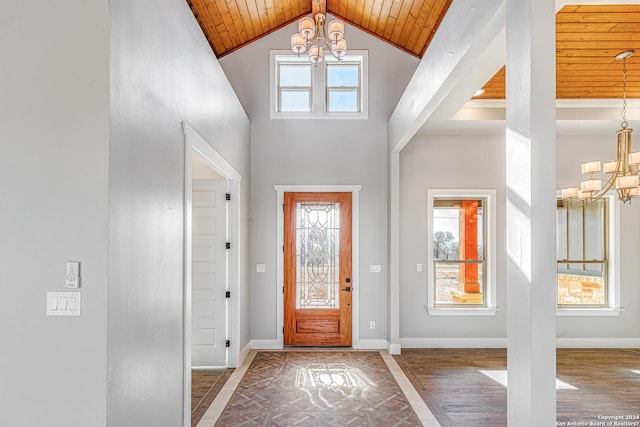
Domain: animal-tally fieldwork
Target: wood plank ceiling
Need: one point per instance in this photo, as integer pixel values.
(231, 24)
(588, 37)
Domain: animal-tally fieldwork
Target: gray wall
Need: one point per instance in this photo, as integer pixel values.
(162, 72)
(319, 152)
(440, 163)
(54, 123)
(478, 162)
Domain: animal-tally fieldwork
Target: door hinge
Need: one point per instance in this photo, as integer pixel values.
(283, 207)
(227, 343)
(227, 294)
(228, 245)
(283, 289)
(227, 196)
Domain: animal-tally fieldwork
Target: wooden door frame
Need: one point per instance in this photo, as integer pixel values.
(355, 255)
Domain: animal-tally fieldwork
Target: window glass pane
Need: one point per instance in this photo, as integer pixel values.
(343, 100)
(582, 287)
(561, 235)
(458, 229)
(317, 255)
(575, 241)
(296, 75)
(458, 250)
(594, 230)
(343, 75)
(294, 100)
(450, 289)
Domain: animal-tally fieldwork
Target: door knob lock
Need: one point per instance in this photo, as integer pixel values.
(348, 289)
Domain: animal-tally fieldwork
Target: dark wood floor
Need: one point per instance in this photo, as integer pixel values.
(452, 385)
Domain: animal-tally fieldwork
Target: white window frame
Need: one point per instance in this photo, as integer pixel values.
(489, 309)
(613, 268)
(318, 87)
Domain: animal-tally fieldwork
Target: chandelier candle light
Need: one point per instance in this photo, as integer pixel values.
(314, 37)
(623, 172)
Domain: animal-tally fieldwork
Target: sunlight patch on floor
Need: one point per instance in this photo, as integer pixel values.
(636, 371)
(501, 378)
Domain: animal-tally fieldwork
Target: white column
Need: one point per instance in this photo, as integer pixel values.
(394, 253)
(531, 228)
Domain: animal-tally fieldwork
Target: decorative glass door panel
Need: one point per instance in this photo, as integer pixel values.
(317, 255)
(317, 270)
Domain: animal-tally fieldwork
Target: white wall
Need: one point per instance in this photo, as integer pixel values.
(54, 123)
(319, 152)
(478, 162)
(162, 72)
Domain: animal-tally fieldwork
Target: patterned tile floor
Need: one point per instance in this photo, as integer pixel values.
(317, 388)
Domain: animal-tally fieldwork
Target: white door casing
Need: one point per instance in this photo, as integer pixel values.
(195, 145)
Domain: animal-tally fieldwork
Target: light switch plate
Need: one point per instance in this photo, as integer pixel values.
(419, 268)
(261, 268)
(73, 274)
(375, 268)
(64, 303)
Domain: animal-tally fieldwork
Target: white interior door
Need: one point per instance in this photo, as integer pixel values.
(209, 270)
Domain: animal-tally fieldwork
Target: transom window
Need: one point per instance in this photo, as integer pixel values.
(336, 89)
(582, 250)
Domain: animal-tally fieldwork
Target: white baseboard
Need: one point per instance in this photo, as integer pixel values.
(265, 345)
(394, 348)
(370, 345)
(243, 353)
(502, 343)
(453, 342)
(598, 342)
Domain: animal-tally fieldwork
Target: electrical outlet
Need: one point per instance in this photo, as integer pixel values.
(372, 324)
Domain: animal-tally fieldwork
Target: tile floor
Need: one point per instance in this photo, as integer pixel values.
(205, 386)
(318, 388)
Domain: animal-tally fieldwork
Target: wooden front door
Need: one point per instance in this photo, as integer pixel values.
(317, 269)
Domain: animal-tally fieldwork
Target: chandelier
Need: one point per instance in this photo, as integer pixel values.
(621, 173)
(314, 37)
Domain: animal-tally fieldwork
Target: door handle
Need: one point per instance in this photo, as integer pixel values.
(348, 289)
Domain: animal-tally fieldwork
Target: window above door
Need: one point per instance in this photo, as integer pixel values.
(337, 89)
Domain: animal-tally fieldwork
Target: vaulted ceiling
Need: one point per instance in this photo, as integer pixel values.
(407, 24)
(588, 37)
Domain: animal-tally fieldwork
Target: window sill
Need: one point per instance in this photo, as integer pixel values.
(461, 311)
(303, 115)
(594, 312)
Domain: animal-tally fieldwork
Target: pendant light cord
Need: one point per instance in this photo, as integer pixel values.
(624, 94)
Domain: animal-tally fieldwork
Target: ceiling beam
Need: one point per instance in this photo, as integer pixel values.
(464, 35)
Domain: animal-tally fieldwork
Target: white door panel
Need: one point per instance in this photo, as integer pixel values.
(208, 280)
